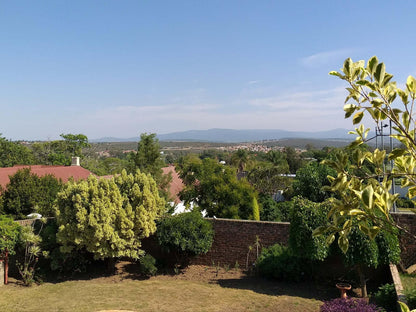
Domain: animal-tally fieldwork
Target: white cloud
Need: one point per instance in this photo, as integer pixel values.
(326, 57)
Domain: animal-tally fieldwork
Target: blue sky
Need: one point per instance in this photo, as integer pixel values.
(120, 68)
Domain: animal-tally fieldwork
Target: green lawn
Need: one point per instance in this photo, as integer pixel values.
(155, 294)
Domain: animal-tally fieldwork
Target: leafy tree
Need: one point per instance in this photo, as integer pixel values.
(60, 152)
(215, 188)
(367, 197)
(105, 166)
(74, 143)
(108, 218)
(305, 217)
(269, 209)
(311, 180)
(148, 160)
(364, 253)
(293, 159)
(186, 234)
(239, 159)
(268, 177)
(27, 193)
(14, 153)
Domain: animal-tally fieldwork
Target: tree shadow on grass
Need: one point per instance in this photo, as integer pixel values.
(304, 289)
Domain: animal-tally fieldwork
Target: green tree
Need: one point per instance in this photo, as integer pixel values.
(14, 153)
(367, 197)
(108, 218)
(60, 152)
(293, 159)
(268, 178)
(304, 218)
(365, 253)
(311, 180)
(27, 193)
(215, 188)
(239, 159)
(148, 160)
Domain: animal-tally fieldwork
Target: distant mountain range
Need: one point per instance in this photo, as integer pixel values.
(235, 136)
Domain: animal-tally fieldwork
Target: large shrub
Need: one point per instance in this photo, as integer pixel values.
(27, 193)
(108, 218)
(278, 262)
(9, 234)
(185, 234)
(270, 209)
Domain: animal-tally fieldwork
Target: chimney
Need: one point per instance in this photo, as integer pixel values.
(75, 161)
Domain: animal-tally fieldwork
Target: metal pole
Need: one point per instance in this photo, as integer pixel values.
(393, 188)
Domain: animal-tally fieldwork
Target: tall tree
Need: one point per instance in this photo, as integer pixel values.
(215, 188)
(367, 197)
(148, 160)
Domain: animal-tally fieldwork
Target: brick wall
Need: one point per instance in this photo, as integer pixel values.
(231, 243)
(233, 238)
(407, 242)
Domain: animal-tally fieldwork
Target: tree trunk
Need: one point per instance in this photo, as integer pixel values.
(6, 267)
(111, 265)
(363, 282)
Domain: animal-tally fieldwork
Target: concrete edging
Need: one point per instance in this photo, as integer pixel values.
(397, 285)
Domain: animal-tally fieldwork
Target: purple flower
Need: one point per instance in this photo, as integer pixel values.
(349, 305)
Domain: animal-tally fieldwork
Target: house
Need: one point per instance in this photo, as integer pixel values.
(63, 173)
(176, 185)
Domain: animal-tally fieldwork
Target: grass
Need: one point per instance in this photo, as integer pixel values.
(408, 281)
(146, 295)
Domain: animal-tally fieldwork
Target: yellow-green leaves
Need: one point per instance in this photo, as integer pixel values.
(107, 218)
(411, 84)
(364, 196)
(357, 118)
(380, 73)
(372, 65)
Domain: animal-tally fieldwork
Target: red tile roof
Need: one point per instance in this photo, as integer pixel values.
(176, 185)
(60, 172)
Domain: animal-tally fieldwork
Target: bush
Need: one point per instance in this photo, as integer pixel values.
(411, 298)
(62, 263)
(186, 234)
(348, 305)
(278, 262)
(386, 297)
(148, 265)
